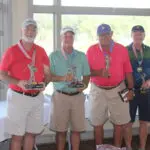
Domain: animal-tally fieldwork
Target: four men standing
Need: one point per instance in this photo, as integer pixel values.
(107, 63)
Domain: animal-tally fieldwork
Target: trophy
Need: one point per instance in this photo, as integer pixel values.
(32, 85)
(143, 90)
(75, 83)
(123, 93)
(107, 63)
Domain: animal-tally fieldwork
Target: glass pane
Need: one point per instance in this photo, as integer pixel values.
(86, 26)
(108, 3)
(45, 37)
(45, 31)
(42, 2)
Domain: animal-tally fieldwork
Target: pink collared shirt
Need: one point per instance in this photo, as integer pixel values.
(119, 65)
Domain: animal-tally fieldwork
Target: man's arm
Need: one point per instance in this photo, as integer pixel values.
(7, 78)
(129, 79)
(130, 84)
(11, 80)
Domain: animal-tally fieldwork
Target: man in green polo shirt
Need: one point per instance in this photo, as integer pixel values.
(140, 61)
(68, 99)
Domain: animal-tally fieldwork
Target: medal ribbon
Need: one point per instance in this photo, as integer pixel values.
(138, 55)
(31, 66)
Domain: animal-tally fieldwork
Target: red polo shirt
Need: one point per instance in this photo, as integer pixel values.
(119, 65)
(16, 64)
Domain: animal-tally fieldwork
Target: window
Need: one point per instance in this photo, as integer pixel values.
(108, 3)
(86, 26)
(43, 2)
(45, 37)
(45, 31)
(5, 37)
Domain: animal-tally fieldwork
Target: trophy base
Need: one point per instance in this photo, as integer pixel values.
(76, 85)
(123, 93)
(35, 86)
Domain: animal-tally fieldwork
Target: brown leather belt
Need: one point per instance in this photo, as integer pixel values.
(27, 94)
(108, 87)
(70, 94)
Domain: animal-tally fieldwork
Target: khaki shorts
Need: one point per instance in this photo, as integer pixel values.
(67, 111)
(24, 114)
(107, 104)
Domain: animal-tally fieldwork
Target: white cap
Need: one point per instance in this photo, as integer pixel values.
(67, 29)
(29, 21)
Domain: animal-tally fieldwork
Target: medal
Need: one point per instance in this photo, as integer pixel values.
(139, 69)
(33, 68)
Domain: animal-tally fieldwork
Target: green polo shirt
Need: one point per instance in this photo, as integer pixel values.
(145, 64)
(59, 66)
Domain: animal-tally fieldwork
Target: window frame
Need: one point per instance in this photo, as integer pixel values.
(58, 10)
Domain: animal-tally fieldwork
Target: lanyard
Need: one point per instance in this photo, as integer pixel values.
(107, 55)
(26, 54)
(136, 56)
(31, 66)
(110, 49)
(70, 65)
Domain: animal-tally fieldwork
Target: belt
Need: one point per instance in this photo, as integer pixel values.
(108, 87)
(27, 94)
(70, 94)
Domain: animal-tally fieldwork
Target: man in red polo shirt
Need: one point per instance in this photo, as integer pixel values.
(25, 64)
(25, 106)
(110, 66)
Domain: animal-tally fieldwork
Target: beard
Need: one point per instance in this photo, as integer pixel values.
(28, 39)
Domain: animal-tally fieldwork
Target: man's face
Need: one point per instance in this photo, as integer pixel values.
(105, 38)
(138, 37)
(29, 33)
(68, 39)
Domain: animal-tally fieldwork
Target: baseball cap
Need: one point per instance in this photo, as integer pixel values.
(67, 29)
(103, 28)
(29, 21)
(137, 28)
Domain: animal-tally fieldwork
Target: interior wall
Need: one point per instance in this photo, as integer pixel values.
(19, 13)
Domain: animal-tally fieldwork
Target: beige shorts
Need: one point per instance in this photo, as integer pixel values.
(24, 114)
(67, 111)
(107, 104)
